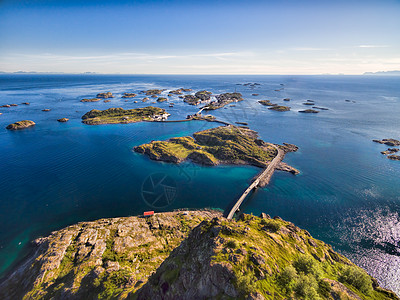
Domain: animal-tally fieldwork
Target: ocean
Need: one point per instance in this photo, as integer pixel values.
(347, 194)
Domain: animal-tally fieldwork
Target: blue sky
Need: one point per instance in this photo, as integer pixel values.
(200, 37)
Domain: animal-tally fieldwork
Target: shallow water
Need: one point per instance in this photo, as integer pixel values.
(347, 194)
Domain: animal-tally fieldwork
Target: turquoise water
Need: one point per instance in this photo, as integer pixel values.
(347, 194)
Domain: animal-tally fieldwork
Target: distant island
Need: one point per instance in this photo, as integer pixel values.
(385, 73)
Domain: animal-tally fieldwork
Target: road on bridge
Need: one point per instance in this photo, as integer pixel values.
(264, 176)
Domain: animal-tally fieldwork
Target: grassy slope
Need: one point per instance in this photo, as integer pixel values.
(253, 256)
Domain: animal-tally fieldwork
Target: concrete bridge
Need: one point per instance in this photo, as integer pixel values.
(262, 179)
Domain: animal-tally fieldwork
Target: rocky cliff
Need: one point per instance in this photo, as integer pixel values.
(187, 255)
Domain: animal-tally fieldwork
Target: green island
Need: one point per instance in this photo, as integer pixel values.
(279, 108)
(224, 99)
(20, 125)
(176, 255)
(220, 145)
(122, 116)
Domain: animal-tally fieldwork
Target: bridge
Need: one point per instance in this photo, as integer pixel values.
(262, 179)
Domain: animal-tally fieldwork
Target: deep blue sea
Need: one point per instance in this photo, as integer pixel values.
(348, 194)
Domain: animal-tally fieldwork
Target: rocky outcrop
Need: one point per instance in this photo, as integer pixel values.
(109, 256)
(20, 125)
(279, 108)
(267, 103)
(128, 95)
(153, 92)
(63, 120)
(320, 108)
(91, 100)
(161, 99)
(105, 95)
(223, 100)
(394, 157)
(388, 142)
(309, 111)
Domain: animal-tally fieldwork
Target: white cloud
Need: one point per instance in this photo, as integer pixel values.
(372, 46)
(309, 49)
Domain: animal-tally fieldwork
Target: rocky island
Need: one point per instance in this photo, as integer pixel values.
(197, 98)
(21, 125)
(122, 116)
(152, 92)
(105, 95)
(63, 120)
(267, 103)
(90, 100)
(309, 111)
(187, 255)
(224, 99)
(390, 151)
(220, 145)
(129, 95)
(161, 99)
(279, 108)
(388, 142)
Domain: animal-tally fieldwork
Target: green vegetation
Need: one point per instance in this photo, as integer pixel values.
(357, 278)
(119, 115)
(225, 144)
(132, 258)
(236, 259)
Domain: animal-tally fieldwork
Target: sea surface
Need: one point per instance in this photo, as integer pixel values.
(348, 194)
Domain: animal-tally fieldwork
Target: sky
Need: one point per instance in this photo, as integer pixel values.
(200, 37)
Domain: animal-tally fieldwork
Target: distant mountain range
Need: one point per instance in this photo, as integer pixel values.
(387, 73)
